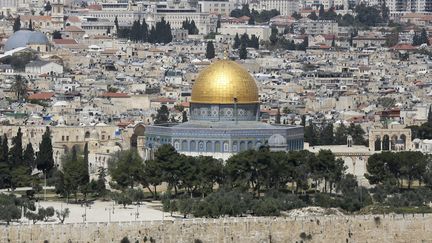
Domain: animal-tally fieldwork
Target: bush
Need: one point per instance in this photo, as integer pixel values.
(266, 207)
(125, 240)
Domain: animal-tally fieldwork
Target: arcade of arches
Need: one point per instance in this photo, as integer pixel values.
(390, 139)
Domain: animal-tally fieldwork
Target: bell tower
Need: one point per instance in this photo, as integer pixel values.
(57, 13)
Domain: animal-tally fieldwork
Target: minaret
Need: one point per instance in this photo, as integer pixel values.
(57, 14)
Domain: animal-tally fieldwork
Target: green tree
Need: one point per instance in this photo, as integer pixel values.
(210, 50)
(424, 38)
(9, 209)
(184, 116)
(368, 15)
(152, 176)
(243, 52)
(357, 134)
(311, 134)
(122, 198)
(47, 7)
(30, 25)
(313, 16)
(126, 168)
(237, 41)
(20, 171)
(29, 157)
(5, 167)
(332, 169)
(19, 87)
(116, 24)
(170, 163)
(16, 151)
(62, 214)
(278, 117)
(44, 158)
(321, 11)
(327, 135)
(296, 16)
(273, 36)
(162, 115)
(144, 31)
(17, 24)
(340, 137)
(56, 35)
(74, 173)
(251, 20)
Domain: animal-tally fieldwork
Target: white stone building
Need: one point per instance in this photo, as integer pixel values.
(37, 68)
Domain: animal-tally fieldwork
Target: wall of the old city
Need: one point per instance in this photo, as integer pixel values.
(399, 228)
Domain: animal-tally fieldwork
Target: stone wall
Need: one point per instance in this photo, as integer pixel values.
(370, 228)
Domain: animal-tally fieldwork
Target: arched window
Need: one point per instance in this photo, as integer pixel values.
(242, 146)
(87, 134)
(209, 146)
(184, 146)
(217, 146)
(235, 147)
(225, 146)
(192, 146)
(249, 145)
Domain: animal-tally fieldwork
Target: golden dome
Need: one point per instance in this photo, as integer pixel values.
(223, 81)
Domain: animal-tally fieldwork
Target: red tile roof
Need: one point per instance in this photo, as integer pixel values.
(163, 100)
(35, 18)
(404, 47)
(42, 96)
(73, 19)
(65, 42)
(73, 29)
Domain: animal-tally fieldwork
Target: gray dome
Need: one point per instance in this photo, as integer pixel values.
(277, 140)
(22, 38)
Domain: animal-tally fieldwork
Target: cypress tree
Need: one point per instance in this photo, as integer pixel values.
(44, 159)
(278, 117)
(237, 42)
(210, 50)
(86, 177)
(116, 24)
(251, 20)
(152, 35)
(31, 25)
(144, 31)
(193, 29)
(28, 156)
(16, 151)
(5, 149)
(17, 24)
(184, 116)
(5, 174)
(424, 39)
(169, 36)
(243, 52)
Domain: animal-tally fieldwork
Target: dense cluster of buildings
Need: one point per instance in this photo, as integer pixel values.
(92, 87)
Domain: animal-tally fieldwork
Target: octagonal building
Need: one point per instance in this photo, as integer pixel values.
(224, 118)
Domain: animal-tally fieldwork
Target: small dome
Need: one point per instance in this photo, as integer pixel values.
(223, 81)
(277, 140)
(94, 134)
(22, 38)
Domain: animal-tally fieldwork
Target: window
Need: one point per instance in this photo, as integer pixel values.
(67, 138)
(62, 138)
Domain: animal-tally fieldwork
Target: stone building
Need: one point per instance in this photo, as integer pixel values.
(224, 112)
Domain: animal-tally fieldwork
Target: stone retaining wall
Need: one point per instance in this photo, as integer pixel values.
(328, 229)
